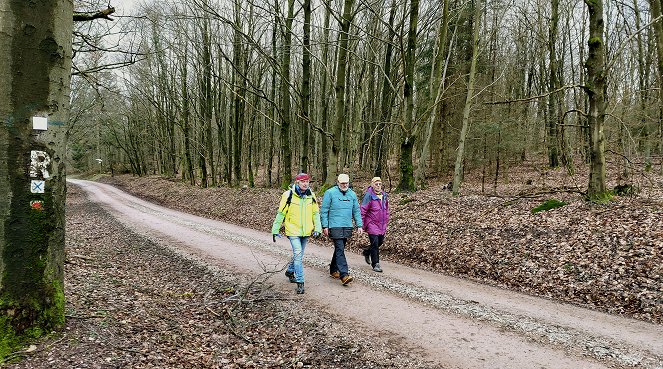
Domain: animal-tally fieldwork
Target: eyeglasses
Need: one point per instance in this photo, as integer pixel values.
(343, 183)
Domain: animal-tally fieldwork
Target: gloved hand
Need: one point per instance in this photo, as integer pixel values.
(275, 235)
(315, 234)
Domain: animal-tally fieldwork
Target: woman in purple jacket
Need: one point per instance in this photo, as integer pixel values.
(375, 216)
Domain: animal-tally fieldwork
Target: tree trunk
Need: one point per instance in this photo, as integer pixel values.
(306, 86)
(324, 99)
(386, 98)
(553, 84)
(341, 69)
(32, 223)
(206, 103)
(271, 113)
(435, 93)
(458, 167)
(239, 83)
(285, 96)
(655, 6)
(596, 87)
(189, 173)
(407, 136)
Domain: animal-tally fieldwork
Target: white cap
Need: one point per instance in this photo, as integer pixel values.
(343, 178)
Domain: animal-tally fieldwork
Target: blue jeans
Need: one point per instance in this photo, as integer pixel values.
(296, 265)
(338, 261)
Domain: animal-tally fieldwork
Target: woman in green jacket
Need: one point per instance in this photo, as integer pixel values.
(299, 213)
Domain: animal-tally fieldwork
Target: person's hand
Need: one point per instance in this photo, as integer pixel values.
(360, 230)
(275, 235)
(325, 231)
(315, 234)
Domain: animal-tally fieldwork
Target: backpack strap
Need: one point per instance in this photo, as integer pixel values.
(287, 203)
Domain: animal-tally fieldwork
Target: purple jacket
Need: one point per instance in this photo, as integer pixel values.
(374, 212)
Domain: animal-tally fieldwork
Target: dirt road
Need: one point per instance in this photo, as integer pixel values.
(455, 322)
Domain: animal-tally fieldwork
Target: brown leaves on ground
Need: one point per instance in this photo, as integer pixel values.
(609, 257)
(133, 303)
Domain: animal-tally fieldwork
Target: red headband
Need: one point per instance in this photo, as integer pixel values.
(302, 177)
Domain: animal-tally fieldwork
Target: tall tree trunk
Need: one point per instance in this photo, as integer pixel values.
(435, 92)
(368, 121)
(206, 103)
(407, 135)
(460, 155)
(324, 100)
(341, 69)
(306, 86)
(596, 87)
(32, 223)
(189, 173)
(655, 6)
(271, 113)
(239, 83)
(285, 96)
(553, 84)
(386, 98)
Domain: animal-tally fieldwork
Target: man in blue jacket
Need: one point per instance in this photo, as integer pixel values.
(339, 207)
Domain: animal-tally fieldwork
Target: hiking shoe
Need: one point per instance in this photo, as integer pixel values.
(300, 288)
(291, 276)
(347, 279)
(367, 258)
(376, 268)
(335, 275)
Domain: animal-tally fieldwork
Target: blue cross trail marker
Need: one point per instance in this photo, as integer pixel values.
(37, 186)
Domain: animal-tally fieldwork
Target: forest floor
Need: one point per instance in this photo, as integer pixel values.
(121, 313)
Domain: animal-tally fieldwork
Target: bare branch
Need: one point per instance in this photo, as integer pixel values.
(525, 99)
(88, 16)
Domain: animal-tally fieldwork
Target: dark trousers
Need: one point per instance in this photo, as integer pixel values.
(338, 261)
(374, 250)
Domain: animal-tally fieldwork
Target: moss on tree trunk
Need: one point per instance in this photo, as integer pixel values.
(34, 81)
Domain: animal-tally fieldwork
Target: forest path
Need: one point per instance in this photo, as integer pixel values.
(455, 322)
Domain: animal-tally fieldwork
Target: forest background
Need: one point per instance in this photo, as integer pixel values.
(252, 92)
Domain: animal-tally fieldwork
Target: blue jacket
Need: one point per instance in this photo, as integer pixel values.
(339, 209)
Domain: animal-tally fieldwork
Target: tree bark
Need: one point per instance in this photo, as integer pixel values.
(386, 98)
(324, 99)
(239, 95)
(407, 139)
(553, 84)
(341, 69)
(655, 6)
(35, 66)
(460, 155)
(596, 87)
(286, 156)
(306, 86)
(435, 93)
